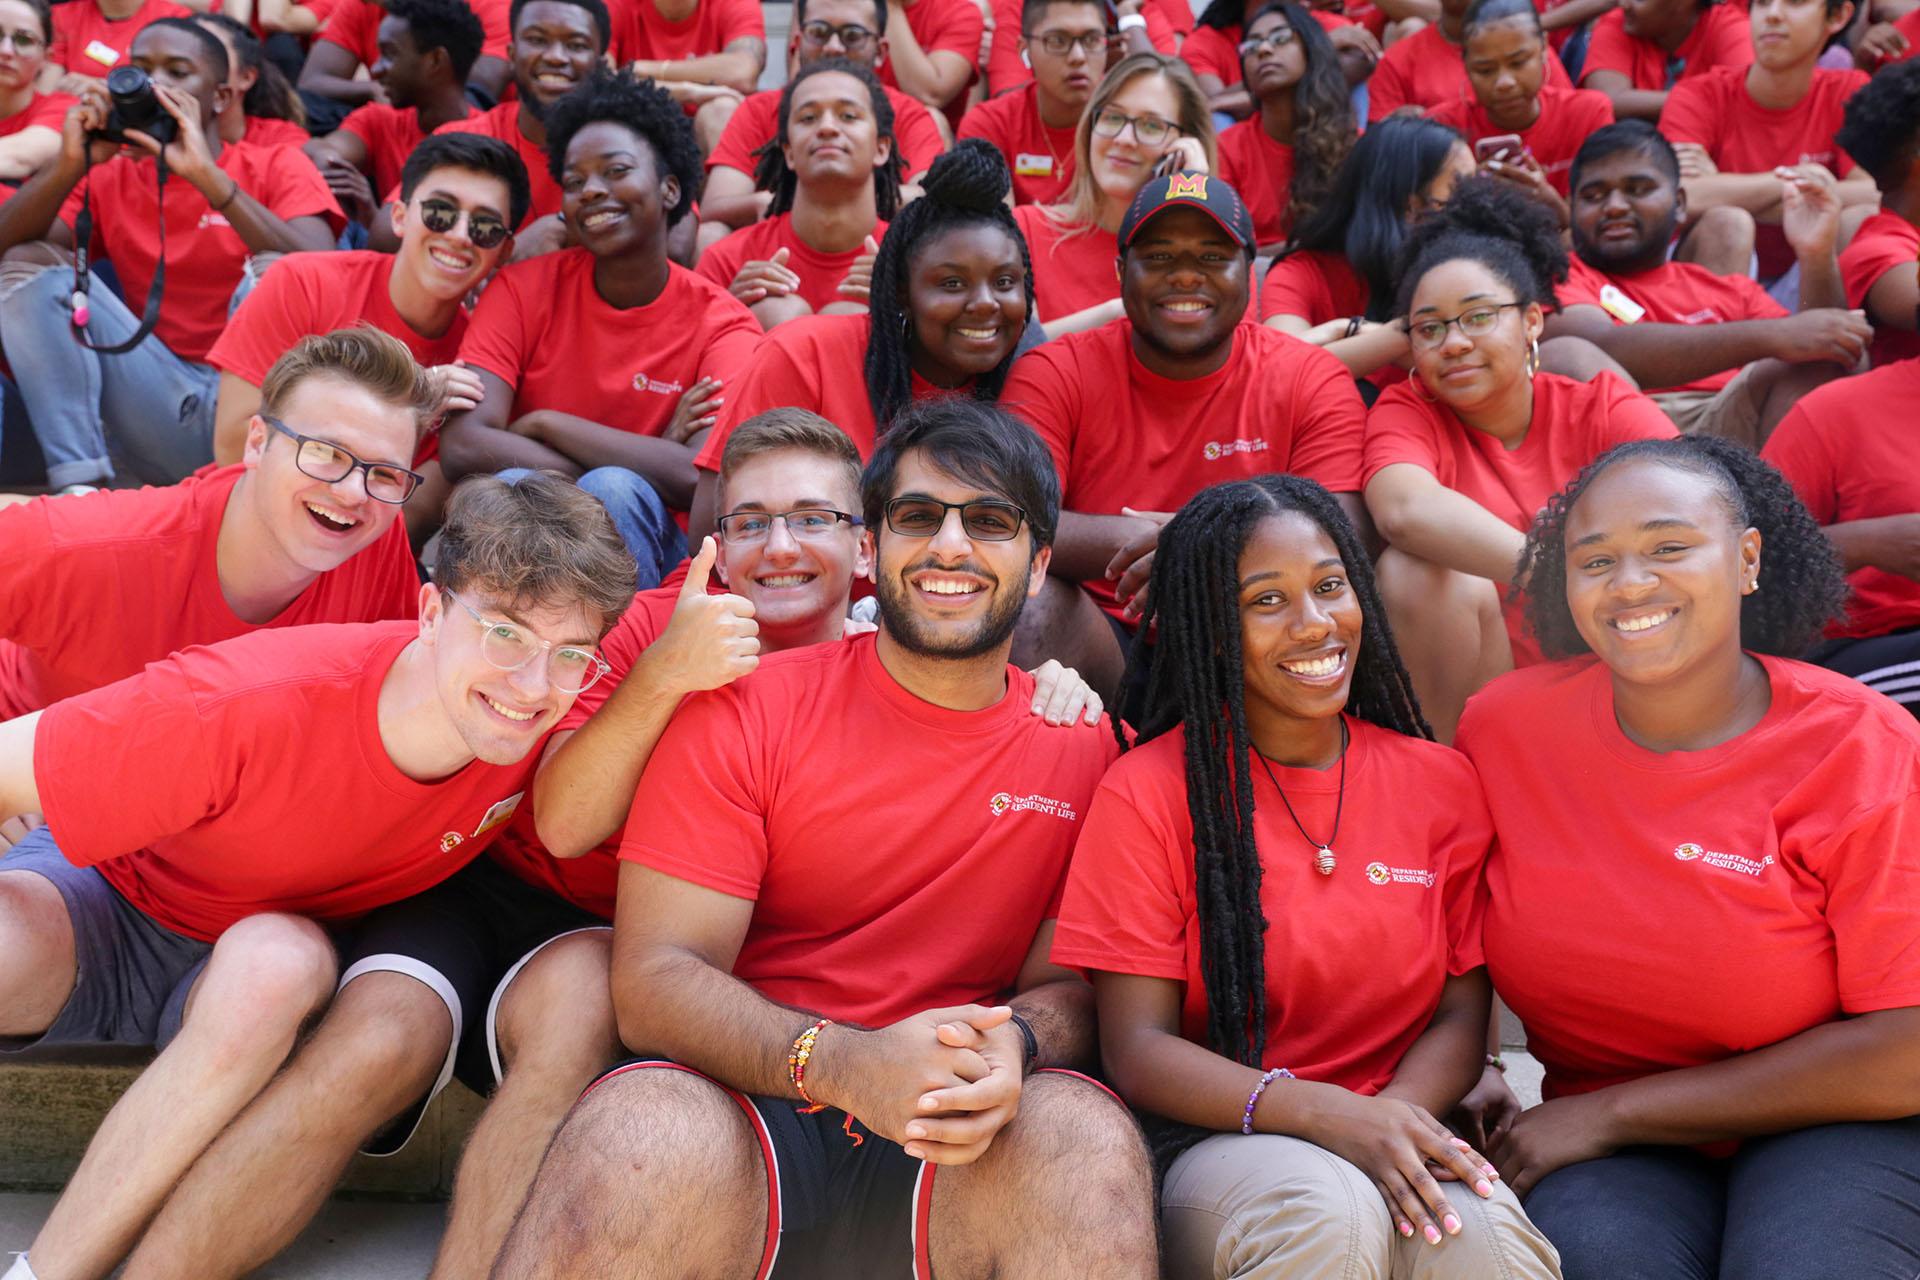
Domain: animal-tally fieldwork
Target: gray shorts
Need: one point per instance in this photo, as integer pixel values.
(132, 975)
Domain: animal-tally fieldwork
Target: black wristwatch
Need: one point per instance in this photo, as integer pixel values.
(1033, 1045)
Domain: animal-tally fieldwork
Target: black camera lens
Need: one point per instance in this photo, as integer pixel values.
(137, 106)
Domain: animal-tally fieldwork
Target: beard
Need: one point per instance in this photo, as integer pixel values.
(1648, 250)
(912, 634)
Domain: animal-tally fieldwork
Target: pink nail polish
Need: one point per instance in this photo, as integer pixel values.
(1433, 1235)
(1489, 1170)
(1406, 1228)
(1452, 1224)
(1484, 1187)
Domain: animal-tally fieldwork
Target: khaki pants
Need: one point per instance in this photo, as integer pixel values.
(1266, 1207)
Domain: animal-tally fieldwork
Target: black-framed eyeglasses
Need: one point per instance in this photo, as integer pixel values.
(1474, 322)
(1060, 43)
(1276, 40)
(483, 228)
(327, 462)
(1111, 122)
(804, 524)
(510, 646)
(853, 36)
(985, 520)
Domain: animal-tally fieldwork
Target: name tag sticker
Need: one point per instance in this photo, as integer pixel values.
(1028, 165)
(101, 52)
(498, 814)
(1620, 306)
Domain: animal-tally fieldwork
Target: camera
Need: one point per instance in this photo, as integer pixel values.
(136, 106)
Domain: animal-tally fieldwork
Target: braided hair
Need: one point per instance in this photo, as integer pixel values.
(1194, 677)
(965, 187)
(771, 172)
(1486, 221)
(1806, 586)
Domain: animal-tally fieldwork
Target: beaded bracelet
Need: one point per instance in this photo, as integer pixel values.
(797, 1063)
(1253, 1099)
(1497, 1062)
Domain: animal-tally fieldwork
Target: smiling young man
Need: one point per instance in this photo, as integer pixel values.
(1143, 413)
(152, 405)
(144, 913)
(426, 49)
(821, 29)
(768, 908)
(286, 538)
(1717, 354)
(604, 361)
(1064, 42)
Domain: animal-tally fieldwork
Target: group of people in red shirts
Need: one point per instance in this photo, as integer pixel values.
(812, 644)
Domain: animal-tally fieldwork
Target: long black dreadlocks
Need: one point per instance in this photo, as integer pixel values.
(1194, 677)
(771, 172)
(1806, 587)
(965, 187)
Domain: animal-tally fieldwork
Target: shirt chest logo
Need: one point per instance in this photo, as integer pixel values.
(1006, 802)
(641, 382)
(1738, 863)
(1218, 449)
(1379, 873)
(495, 816)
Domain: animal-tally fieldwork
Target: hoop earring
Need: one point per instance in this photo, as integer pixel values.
(1420, 389)
(1533, 358)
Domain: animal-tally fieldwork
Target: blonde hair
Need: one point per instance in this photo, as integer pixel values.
(363, 356)
(539, 542)
(1079, 212)
(789, 428)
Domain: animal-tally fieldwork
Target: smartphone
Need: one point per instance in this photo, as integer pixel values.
(1500, 146)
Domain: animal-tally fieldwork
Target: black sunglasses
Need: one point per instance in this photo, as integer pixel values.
(485, 229)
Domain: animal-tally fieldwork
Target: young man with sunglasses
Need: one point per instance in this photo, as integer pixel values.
(1064, 42)
(301, 530)
(821, 29)
(461, 195)
(209, 817)
(770, 906)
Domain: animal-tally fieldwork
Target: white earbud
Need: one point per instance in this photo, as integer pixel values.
(1025, 61)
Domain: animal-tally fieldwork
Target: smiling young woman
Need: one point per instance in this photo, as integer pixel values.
(1742, 1032)
(1241, 870)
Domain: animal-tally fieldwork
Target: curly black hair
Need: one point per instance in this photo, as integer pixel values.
(1486, 220)
(771, 172)
(1194, 678)
(443, 24)
(965, 187)
(1881, 127)
(1323, 127)
(644, 109)
(1806, 586)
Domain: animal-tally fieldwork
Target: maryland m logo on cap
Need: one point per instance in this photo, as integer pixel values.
(1212, 195)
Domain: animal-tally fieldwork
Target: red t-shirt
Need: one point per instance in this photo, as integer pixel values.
(820, 273)
(1716, 111)
(953, 25)
(1215, 51)
(1169, 22)
(354, 25)
(205, 255)
(307, 293)
(756, 121)
(264, 131)
(1573, 423)
(913, 882)
(175, 783)
(714, 25)
(1406, 885)
(1671, 293)
(1720, 38)
(1883, 242)
(1317, 287)
(503, 122)
(1567, 117)
(390, 135)
(543, 329)
(1121, 435)
(1424, 70)
(817, 363)
(1848, 452)
(590, 880)
(146, 559)
(1261, 170)
(43, 110)
(1041, 158)
(1651, 912)
(86, 42)
(1070, 272)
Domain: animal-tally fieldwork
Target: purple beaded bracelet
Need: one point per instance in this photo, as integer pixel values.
(1253, 1099)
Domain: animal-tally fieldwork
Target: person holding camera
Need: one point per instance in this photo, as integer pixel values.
(93, 392)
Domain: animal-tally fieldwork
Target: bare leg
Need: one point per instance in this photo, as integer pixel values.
(379, 1048)
(656, 1175)
(268, 974)
(1065, 1190)
(557, 1033)
(1783, 385)
(1450, 632)
(1721, 240)
(710, 121)
(771, 311)
(427, 504)
(37, 967)
(710, 234)
(1063, 622)
(1579, 359)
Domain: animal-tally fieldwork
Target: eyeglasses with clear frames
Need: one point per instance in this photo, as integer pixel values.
(853, 36)
(804, 524)
(328, 463)
(509, 646)
(1152, 131)
(1474, 322)
(984, 520)
(1276, 40)
(1059, 43)
(27, 42)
